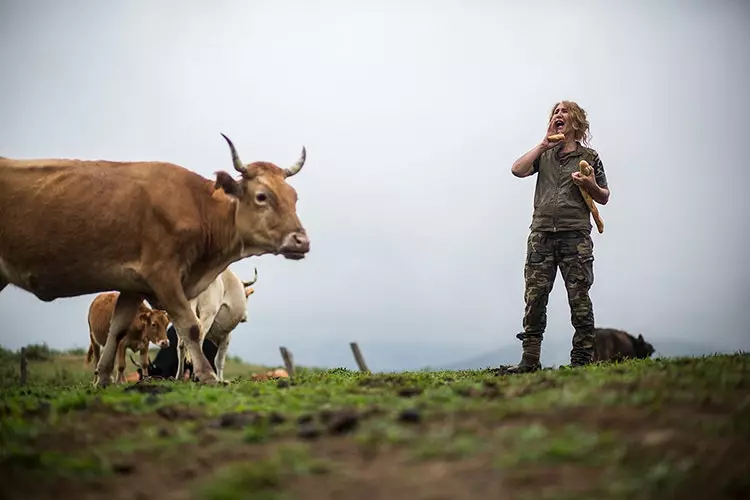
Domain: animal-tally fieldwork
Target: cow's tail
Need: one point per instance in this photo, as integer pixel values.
(89, 354)
(136, 363)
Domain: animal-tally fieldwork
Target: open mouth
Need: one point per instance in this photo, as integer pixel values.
(558, 125)
(294, 255)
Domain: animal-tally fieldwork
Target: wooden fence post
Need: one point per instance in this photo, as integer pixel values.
(24, 367)
(359, 358)
(288, 361)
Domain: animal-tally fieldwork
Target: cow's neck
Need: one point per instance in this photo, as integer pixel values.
(221, 247)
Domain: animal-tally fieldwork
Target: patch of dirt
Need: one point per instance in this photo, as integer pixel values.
(393, 475)
(719, 464)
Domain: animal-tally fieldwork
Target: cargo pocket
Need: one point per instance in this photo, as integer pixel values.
(534, 257)
(586, 268)
(537, 248)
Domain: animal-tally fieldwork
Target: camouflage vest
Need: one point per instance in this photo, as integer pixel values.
(558, 204)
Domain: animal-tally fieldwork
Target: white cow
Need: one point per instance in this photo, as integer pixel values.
(219, 308)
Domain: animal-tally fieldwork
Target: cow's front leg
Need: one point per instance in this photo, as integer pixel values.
(144, 361)
(125, 309)
(221, 355)
(188, 329)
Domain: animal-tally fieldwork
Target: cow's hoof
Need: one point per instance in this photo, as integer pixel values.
(209, 378)
(103, 382)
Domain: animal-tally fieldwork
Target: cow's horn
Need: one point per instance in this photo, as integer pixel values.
(238, 166)
(255, 278)
(297, 166)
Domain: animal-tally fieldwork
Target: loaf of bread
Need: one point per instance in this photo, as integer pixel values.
(586, 169)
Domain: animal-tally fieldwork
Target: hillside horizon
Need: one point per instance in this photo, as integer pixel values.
(395, 356)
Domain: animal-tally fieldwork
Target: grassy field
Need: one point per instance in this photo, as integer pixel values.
(66, 369)
(667, 429)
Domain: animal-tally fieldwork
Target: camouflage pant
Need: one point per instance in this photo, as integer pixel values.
(573, 253)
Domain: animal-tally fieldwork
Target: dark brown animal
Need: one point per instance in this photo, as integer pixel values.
(616, 345)
(149, 230)
(148, 325)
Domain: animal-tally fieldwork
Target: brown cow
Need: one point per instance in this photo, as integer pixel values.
(148, 325)
(616, 345)
(150, 230)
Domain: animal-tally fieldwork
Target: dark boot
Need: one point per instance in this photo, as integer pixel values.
(582, 353)
(532, 346)
(529, 363)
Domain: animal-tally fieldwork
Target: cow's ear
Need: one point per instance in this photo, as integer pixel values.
(144, 317)
(640, 337)
(228, 184)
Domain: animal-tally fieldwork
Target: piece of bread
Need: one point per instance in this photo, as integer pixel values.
(586, 169)
(556, 137)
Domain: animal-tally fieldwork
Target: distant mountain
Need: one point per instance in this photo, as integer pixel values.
(507, 355)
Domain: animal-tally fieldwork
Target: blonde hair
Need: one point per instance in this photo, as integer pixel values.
(580, 121)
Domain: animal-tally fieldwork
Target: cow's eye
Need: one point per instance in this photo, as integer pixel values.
(261, 197)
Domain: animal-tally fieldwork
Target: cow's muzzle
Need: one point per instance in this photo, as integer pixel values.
(163, 344)
(295, 245)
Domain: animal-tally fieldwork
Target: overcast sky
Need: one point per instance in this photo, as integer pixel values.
(412, 113)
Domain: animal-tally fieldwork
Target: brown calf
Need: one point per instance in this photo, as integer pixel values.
(148, 325)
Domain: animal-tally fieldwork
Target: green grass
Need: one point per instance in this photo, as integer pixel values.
(674, 428)
(52, 368)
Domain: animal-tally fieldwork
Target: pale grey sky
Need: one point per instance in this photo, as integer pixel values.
(412, 113)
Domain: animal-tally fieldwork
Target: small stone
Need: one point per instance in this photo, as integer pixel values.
(276, 418)
(123, 468)
(410, 416)
(308, 430)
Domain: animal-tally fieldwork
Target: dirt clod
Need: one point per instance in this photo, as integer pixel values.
(408, 392)
(275, 418)
(343, 421)
(410, 416)
(124, 468)
(172, 413)
(236, 420)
